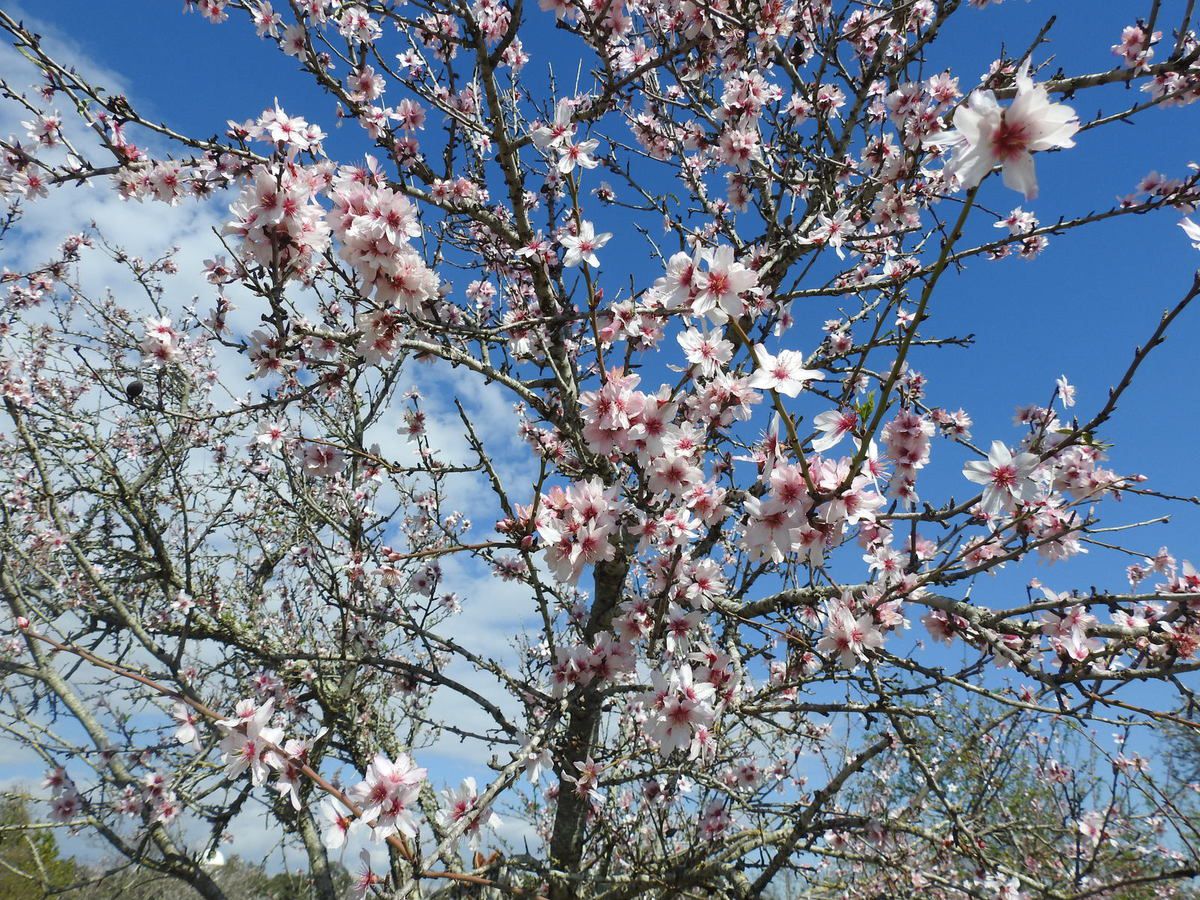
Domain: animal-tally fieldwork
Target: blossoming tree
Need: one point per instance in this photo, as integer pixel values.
(723, 516)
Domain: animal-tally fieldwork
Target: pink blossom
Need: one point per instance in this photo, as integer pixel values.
(784, 373)
(1007, 479)
(582, 247)
(833, 425)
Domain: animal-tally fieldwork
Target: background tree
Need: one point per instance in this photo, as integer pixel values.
(237, 878)
(983, 782)
(30, 864)
(1183, 753)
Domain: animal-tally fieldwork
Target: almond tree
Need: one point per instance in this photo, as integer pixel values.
(724, 516)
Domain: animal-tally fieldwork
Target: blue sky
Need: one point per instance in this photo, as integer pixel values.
(1079, 309)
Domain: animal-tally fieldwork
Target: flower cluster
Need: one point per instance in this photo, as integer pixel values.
(461, 809)
(388, 796)
(849, 635)
(160, 346)
(374, 226)
(65, 801)
(575, 524)
(710, 282)
(907, 436)
(679, 711)
(279, 220)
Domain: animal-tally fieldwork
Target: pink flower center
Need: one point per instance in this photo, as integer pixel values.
(1004, 477)
(1010, 140)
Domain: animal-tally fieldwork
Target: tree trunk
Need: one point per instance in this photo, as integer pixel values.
(570, 820)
